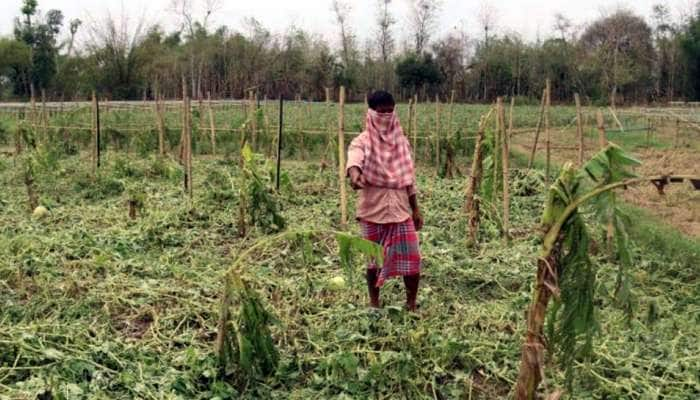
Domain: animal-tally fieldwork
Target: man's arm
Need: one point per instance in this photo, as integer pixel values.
(416, 215)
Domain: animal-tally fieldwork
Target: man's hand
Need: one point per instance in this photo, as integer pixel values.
(417, 219)
(357, 180)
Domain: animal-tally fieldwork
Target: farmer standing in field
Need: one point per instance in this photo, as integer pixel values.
(380, 167)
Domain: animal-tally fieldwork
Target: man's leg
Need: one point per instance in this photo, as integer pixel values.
(411, 282)
(372, 276)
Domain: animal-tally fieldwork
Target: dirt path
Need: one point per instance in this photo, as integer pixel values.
(680, 206)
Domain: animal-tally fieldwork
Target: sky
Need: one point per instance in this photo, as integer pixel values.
(532, 19)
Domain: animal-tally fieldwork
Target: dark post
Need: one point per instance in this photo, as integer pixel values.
(279, 143)
(97, 126)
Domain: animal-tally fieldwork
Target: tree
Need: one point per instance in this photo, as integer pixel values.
(385, 39)
(345, 75)
(424, 15)
(690, 45)
(15, 64)
(40, 35)
(619, 49)
(415, 73)
(115, 63)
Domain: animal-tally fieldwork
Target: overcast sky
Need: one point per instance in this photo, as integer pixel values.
(530, 18)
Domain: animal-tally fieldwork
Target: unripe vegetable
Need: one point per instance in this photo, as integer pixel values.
(40, 212)
(336, 283)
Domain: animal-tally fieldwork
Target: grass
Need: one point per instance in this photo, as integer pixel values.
(95, 305)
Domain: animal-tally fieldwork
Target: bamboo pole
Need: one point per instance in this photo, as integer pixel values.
(602, 140)
(254, 120)
(212, 124)
(437, 135)
(44, 116)
(414, 124)
(279, 142)
(18, 137)
(160, 121)
(506, 173)
(200, 104)
(188, 128)
(548, 132)
(472, 199)
(94, 133)
(409, 132)
(33, 103)
(531, 161)
(617, 121)
(300, 127)
(341, 158)
(329, 125)
(497, 148)
(579, 128)
(451, 114)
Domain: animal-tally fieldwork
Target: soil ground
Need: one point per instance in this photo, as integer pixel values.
(680, 205)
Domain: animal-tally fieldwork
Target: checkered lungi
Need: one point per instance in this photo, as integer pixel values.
(401, 248)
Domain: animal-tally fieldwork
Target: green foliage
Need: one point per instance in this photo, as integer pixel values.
(571, 321)
(262, 203)
(350, 245)
(414, 71)
(98, 187)
(247, 349)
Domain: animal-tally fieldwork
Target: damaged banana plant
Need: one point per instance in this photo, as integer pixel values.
(565, 272)
(244, 343)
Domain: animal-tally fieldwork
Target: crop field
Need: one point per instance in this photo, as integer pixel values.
(114, 291)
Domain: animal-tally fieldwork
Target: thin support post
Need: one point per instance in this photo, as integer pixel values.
(548, 132)
(212, 124)
(531, 161)
(160, 121)
(44, 116)
(437, 134)
(98, 130)
(414, 125)
(579, 129)
(602, 139)
(279, 143)
(341, 158)
(506, 173)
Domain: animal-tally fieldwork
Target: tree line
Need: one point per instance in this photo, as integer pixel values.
(619, 58)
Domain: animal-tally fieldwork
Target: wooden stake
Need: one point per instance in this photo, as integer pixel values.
(212, 124)
(188, 130)
(547, 132)
(579, 129)
(329, 125)
(497, 149)
(677, 132)
(44, 116)
(506, 173)
(33, 102)
(254, 120)
(300, 127)
(409, 133)
(341, 158)
(451, 115)
(602, 140)
(472, 200)
(94, 133)
(437, 135)
(617, 121)
(531, 161)
(160, 121)
(414, 125)
(279, 143)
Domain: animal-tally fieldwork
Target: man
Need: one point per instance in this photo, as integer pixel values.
(380, 167)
